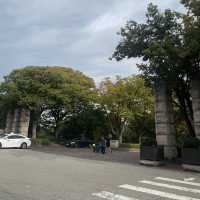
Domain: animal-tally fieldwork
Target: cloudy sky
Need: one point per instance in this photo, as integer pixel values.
(76, 33)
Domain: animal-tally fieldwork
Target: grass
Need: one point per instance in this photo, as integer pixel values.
(41, 141)
(130, 146)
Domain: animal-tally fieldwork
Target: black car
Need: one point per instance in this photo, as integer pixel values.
(78, 143)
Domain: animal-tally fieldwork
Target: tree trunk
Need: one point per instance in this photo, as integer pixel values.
(121, 138)
(123, 129)
(184, 111)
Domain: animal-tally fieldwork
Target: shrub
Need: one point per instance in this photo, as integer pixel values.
(45, 141)
(148, 141)
(191, 142)
(41, 141)
(130, 145)
(35, 141)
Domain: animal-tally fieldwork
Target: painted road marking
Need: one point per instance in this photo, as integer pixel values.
(157, 193)
(185, 189)
(189, 179)
(177, 181)
(111, 196)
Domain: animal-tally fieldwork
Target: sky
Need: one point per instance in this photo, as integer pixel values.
(74, 33)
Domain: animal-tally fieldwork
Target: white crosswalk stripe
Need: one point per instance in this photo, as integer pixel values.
(189, 179)
(111, 196)
(185, 189)
(177, 181)
(157, 192)
(168, 183)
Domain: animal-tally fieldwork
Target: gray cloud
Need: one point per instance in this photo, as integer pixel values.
(78, 33)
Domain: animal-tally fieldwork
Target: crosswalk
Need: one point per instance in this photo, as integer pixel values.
(187, 189)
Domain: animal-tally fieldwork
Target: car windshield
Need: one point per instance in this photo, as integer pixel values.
(3, 135)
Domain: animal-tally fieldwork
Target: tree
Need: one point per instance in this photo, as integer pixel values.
(55, 89)
(89, 123)
(126, 99)
(193, 7)
(168, 44)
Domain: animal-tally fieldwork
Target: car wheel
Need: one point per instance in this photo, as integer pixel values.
(24, 146)
(0, 145)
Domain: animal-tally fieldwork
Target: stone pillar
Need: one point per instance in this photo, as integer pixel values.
(195, 93)
(9, 122)
(23, 122)
(164, 120)
(16, 121)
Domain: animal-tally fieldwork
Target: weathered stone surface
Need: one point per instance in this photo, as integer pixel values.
(164, 119)
(161, 118)
(24, 122)
(1, 131)
(9, 122)
(166, 140)
(18, 121)
(197, 116)
(195, 93)
(170, 152)
(165, 128)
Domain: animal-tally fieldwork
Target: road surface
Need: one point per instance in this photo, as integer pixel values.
(33, 175)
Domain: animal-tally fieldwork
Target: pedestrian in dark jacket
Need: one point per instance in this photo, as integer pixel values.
(108, 144)
(103, 145)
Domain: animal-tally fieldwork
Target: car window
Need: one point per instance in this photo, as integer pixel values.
(3, 135)
(15, 137)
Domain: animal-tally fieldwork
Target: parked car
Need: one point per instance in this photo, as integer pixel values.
(78, 143)
(14, 141)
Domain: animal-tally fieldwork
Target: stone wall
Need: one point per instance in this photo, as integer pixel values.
(164, 120)
(18, 121)
(195, 93)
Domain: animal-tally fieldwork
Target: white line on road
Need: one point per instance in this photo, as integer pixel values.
(189, 179)
(111, 196)
(185, 189)
(157, 192)
(177, 181)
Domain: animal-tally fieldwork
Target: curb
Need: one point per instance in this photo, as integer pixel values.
(194, 168)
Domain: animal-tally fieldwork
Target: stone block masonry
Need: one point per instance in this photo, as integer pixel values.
(18, 121)
(164, 120)
(195, 93)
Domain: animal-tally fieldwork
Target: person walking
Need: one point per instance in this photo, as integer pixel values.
(103, 145)
(108, 144)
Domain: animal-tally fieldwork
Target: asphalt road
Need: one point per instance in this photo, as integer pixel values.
(33, 175)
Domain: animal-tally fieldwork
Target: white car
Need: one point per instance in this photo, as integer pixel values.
(14, 141)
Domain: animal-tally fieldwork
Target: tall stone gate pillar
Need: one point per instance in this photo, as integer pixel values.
(195, 93)
(164, 120)
(9, 122)
(18, 121)
(23, 122)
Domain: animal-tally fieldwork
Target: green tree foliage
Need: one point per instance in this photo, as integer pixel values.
(126, 101)
(58, 90)
(193, 6)
(90, 123)
(169, 45)
(155, 42)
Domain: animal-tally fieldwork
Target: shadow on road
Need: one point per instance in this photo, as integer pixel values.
(120, 156)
